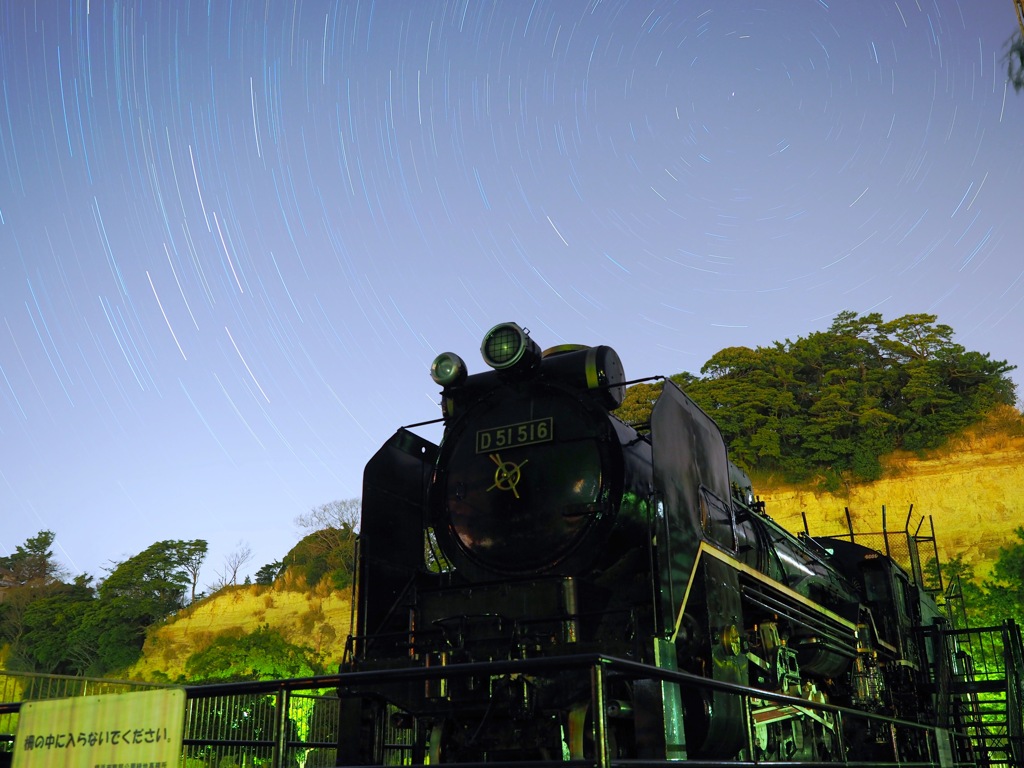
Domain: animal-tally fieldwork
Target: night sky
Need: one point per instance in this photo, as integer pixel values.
(234, 235)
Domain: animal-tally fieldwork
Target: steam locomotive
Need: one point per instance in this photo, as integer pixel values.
(543, 530)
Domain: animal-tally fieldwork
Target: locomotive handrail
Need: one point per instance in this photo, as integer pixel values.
(422, 423)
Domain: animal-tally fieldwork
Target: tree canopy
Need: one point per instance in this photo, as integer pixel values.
(327, 551)
(260, 655)
(32, 563)
(1004, 589)
(72, 628)
(1015, 63)
(831, 403)
(999, 596)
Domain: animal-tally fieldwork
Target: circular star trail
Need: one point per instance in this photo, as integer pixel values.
(234, 235)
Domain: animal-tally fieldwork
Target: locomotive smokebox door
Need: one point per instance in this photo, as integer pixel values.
(528, 483)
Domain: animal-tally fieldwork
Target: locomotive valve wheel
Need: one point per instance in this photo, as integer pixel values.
(506, 476)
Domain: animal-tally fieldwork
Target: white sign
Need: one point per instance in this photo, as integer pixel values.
(123, 730)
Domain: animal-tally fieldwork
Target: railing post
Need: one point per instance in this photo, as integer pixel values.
(840, 738)
(281, 727)
(600, 716)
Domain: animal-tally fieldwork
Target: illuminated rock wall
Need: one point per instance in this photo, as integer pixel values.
(972, 491)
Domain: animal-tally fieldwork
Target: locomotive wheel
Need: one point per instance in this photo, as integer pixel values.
(580, 738)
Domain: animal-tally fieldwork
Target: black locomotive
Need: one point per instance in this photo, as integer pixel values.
(544, 531)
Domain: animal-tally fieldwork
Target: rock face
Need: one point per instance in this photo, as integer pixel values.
(971, 490)
(317, 619)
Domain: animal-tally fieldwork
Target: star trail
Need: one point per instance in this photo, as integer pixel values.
(233, 235)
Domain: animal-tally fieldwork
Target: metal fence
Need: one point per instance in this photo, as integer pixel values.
(915, 551)
(286, 723)
(25, 686)
(16, 687)
(280, 728)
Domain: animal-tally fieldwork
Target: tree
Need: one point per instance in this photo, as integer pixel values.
(1015, 63)
(32, 563)
(139, 592)
(965, 599)
(52, 641)
(156, 578)
(268, 573)
(260, 655)
(828, 405)
(1005, 586)
(750, 393)
(329, 546)
(193, 554)
(235, 560)
(334, 523)
(637, 404)
(27, 575)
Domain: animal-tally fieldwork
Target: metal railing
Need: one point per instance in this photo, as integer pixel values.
(17, 687)
(294, 722)
(286, 726)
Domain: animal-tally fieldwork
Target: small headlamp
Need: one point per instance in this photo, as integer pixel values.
(447, 369)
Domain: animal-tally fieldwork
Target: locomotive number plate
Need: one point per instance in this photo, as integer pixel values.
(515, 435)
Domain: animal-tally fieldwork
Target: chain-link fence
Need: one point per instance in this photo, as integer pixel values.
(913, 551)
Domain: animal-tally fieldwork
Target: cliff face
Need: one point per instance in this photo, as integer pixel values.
(971, 489)
(316, 619)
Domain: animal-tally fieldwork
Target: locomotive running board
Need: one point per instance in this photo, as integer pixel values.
(792, 594)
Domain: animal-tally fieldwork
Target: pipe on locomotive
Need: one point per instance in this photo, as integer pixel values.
(508, 349)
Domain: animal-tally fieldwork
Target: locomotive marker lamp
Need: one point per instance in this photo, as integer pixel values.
(447, 369)
(508, 346)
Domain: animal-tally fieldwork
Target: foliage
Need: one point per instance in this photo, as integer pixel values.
(314, 562)
(640, 398)
(964, 596)
(52, 629)
(994, 599)
(327, 551)
(27, 576)
(142, 590)
(828, 405)
(268, 573)
(1015, 63)
(52, 626)
(71, 628)
(1004, 589)
(32, 563)
(260, 655)
(50, 640)
(193, 553)
(156, 578)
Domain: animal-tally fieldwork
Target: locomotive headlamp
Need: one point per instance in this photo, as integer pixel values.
(447, 368)
(507, 345)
